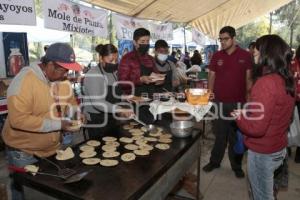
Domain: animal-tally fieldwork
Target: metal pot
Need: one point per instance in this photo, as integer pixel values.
(182, 129)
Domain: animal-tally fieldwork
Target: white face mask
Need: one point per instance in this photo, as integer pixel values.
(162, 57)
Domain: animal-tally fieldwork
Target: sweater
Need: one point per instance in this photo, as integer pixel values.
(266, 123)
(95, 90)
(33, 125)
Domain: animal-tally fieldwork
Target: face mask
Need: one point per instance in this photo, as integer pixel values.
(162, 57)
(143, 48)
(110, 67)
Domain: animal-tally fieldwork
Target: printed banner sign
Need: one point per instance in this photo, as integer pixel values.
(124, 46)
(17, 12)
(125, 26)
(67, 16)
(161, 31)
(209, 50)
(198, 37)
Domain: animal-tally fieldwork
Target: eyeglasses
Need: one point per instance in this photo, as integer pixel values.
(225, 39)
(59, 69)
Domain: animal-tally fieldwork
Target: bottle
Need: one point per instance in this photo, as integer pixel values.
(180, 96)
(68, 137)
(15, 59)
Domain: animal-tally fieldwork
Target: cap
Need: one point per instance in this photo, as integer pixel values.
(63, 55)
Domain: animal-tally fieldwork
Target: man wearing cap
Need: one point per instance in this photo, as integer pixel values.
(37, 98)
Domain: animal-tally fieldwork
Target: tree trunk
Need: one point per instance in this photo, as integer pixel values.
(110, 28)
(292, 22)
(291, 35)
(93, 46)
(271, 22)
(185, 46)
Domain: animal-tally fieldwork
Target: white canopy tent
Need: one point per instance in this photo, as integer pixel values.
(34, 34)
(206, 16)
(178, 41)
(38, 33)
(178, 35)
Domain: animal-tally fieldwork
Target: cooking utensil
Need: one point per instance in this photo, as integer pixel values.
(169, 93)
(77, 177)
(182, 129)
(138, 121)
(180, 97)
(22, 170)
(65, 172)
(71, 179)
(149, 128)
(165, 97)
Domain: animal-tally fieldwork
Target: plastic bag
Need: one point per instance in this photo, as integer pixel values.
(294, 130)
(180, 73)
(67, 138)
(239, 147)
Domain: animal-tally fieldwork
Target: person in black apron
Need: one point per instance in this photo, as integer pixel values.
(142, 110)
(136, 67)
(103, 95)
(145, 88)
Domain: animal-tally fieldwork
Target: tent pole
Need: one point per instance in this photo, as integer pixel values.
(71, 40)
(110, 28)
(93, 45)
(185, 47)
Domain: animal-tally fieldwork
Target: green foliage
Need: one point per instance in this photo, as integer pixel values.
(36, 51)
(289, 15)
(251, 32)
(38, 8)
(285, 23)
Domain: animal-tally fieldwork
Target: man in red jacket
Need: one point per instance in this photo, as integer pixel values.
(136, 68)
(137, 65)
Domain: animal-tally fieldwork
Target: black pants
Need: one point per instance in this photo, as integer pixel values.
(225, 132)
(112, 127)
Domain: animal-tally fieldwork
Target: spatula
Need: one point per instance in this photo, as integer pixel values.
(150, 127)
(71, 179)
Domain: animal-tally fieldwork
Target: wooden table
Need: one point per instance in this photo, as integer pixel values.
(149, 177)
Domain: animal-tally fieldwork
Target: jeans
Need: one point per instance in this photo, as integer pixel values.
(261, 169)
(18, 159)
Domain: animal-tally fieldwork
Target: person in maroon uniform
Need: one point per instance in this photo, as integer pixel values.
(230, 81)
(137, 66)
